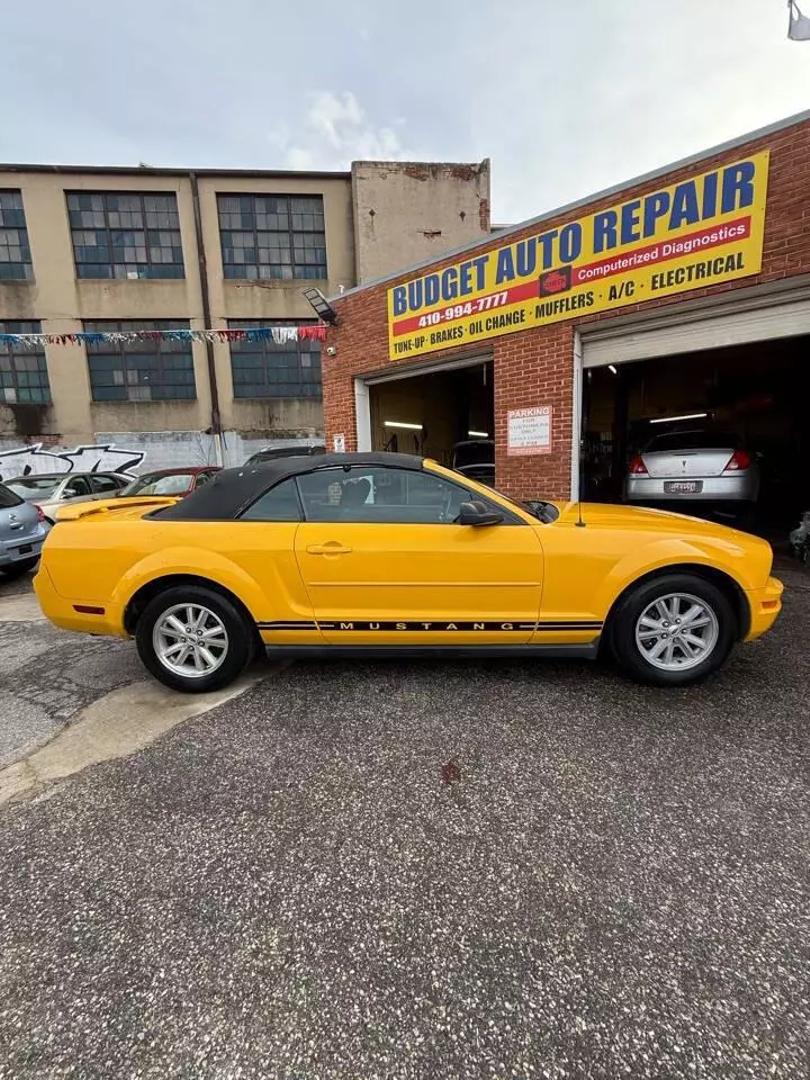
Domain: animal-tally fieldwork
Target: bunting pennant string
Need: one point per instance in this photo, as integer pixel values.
(279, 335)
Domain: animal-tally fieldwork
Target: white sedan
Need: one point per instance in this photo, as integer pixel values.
(52, 490)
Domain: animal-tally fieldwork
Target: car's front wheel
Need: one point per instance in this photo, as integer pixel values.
(673, 630)
(193, 639)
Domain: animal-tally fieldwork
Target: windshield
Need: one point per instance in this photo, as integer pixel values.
(538, 508)
(159, 484)
(34, 487)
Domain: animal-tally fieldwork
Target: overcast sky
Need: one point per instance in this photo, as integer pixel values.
(565, 96)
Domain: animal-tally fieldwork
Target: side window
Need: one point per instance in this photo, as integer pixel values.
(103, 484)
(382, 495)
(280, 503)
(203, 478)
(77, 485)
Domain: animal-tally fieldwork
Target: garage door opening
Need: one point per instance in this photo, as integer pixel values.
(446, 415)
(755, 396)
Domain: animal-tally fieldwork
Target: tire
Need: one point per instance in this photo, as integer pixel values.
(672, 667)
(155, 633)
(22, 566)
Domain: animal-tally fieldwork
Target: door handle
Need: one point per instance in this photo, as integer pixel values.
(332, 548)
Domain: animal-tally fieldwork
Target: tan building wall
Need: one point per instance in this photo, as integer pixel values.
(417, 211)
(61, 302)
(406, 212)
(271, 300)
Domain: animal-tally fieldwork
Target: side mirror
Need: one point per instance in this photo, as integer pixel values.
(476, 513)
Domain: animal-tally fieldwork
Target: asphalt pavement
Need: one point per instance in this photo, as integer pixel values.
(435, 870)
(46, 675)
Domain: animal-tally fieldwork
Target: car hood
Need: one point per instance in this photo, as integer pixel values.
(614, 515)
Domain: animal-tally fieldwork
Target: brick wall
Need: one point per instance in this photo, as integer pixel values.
(535, 367)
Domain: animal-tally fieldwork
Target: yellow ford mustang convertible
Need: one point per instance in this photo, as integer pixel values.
(386, 553)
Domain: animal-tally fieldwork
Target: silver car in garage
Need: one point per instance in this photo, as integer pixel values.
(701, 466)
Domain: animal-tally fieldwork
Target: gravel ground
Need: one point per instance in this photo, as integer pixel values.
(431, 871)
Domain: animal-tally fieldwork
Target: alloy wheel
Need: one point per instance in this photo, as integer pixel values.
(677, 631)
(190, 640)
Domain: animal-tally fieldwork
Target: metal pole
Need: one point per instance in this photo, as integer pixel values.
(216, 423)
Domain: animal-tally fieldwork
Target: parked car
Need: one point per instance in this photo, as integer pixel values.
(272, 453)
(22, 531)
(375, 553)
(702, 466)
(176, 482)
(50, 491)
(476, 458)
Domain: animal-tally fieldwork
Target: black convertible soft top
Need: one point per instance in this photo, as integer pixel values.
(227, 495)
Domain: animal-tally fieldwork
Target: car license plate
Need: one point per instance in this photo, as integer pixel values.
(683, 487)
(26, 549)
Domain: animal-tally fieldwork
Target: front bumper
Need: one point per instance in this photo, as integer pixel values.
(764, 605)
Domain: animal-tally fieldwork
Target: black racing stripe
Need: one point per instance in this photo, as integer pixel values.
(569, 626)
(431, 625)
(282, 625)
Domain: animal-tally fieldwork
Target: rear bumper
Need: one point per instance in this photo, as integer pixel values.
(87, 617)
(735, 488)
(765, 605)
(22, 548)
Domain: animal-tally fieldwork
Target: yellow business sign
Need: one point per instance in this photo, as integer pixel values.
(695, 233)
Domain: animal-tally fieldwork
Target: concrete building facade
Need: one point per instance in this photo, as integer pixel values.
(105, 249)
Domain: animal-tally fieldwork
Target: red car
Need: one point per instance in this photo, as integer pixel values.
(175, 482)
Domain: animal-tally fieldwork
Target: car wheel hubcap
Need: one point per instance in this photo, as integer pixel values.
(190, 640)
(677, 631)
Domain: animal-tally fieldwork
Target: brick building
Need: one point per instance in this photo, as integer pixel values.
(684, 293)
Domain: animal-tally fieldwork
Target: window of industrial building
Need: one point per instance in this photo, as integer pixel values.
(119, 234)
(272, 236)
(15, 254)
(23, 372)
(263, 369)
(142, 370)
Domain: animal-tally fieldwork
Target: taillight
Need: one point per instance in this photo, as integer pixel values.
(739, 460)
(637, 466)
(40, 513)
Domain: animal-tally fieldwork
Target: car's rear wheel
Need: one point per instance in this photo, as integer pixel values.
(673, 630)
(193, 639)
(22, 566)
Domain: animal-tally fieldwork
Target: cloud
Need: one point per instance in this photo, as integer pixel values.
(335, 131)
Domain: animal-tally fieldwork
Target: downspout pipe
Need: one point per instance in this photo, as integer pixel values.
(216, 422)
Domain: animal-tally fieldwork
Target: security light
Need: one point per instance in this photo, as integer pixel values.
(321, 306)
